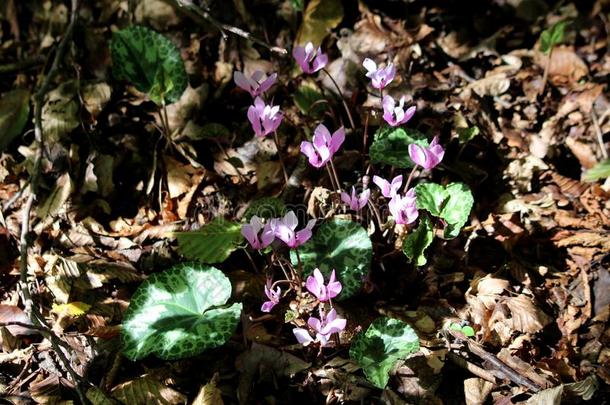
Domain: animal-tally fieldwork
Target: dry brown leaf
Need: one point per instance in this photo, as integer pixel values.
(147, 391)
(209, 394)
(525, 315)
(12, 313)
(476, 390)
(493, 85)
(566, 66)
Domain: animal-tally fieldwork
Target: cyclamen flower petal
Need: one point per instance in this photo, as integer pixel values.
(265, 119)
(273, 296)
(388, 190)
(252, 232)
(428, 157)
(309, 59)
(354, 201)
(380, 77)
(324, 328)
(403, 208)
(394, 114)
(315, 285)
(285, 230)
(323, 145)
(255, 85)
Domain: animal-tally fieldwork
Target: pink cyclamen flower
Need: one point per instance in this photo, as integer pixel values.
(323, 327)
(273, 296)
(255, 85)
(265, 119)
(388, 190)
(380, 77)
(285, 230)
(252, 232)
(323, 292)
(309, 59)
(428, 157)
(396, 115)
(354, 201)
(323, 145)
(403, 208)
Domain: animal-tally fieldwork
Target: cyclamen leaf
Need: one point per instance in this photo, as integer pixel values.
(391, 146)
(599, 171)
(266, 207)
(451, 203)
(211, 244)
(179, 313)
(150, 62)
(307, 99)
(378, 350)
(341, 245)
(416, 243)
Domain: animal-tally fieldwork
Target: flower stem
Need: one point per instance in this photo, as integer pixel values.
(409, 179)
(332, 178)
(332, 166)
(279, 153)
(545, 76)
(349, 114)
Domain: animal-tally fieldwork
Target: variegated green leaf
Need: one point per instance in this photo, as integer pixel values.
(179, 313)
(451, 203)
(391, 146)
(150, 62)
(340, 245)
(417, 241)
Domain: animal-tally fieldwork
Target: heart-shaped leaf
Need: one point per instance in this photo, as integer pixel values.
(451, 203)
(551, 37)
(341, 245)
(179, 313)
(391, 146)
(150, 62)
(385, 342)
(416, 242)
(213, 243)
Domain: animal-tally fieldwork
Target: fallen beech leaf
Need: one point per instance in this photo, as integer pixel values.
(319, 18)
(491, 86)
(566, 66)
(147, 391)
(12, 313)
(209, 394)
(75, 308)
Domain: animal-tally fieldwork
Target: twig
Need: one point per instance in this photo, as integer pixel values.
(598, 132)
(22, 65)
(33, 312)
(199, 15)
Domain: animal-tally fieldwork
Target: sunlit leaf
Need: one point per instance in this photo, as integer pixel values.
(319, 18)
(378, 350)
(599, 171)
(451, 203)
(417, 241)
(149, 61)
(179, 313)
(147, 391)
(552, 36)
(213, 243)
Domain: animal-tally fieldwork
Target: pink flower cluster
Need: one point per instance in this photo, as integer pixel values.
(323, 327)
(323, 145)
(261, 235)
(264, 118)
(402, 208)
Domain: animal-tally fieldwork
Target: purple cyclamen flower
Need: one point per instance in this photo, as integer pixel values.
(324, 328)
(323, 145)
(309, 59)
(273, 295)
(394, 114)
(255, 85)
(323, 292)
(265, 119)
(428, 157)
(403, 208)
(285, 230)
(380, 77)
(388, 190)
(354, 201)
(252, 232)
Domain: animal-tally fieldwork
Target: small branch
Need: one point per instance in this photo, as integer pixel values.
(598, 132)
(199, 15)
(22, 65)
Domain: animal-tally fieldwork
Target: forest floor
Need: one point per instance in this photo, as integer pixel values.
(117, 177)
